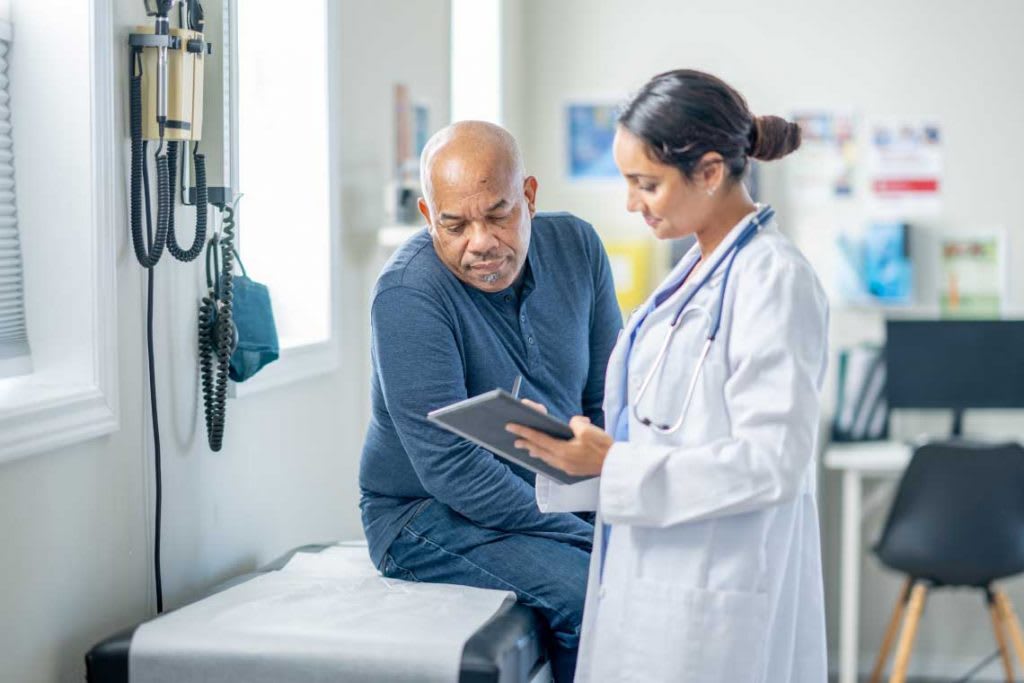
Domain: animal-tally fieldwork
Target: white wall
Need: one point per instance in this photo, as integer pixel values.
(75, 524)
(959, 63)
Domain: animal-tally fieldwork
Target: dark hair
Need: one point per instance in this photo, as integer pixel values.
(682, 115)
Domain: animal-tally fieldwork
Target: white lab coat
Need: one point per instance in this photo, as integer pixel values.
(713, 570)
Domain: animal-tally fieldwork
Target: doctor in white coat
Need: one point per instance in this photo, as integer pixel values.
(706, 565)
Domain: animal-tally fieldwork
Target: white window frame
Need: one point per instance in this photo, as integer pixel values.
(46, 410)
(310, 360)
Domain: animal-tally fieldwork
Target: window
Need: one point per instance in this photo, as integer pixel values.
(476, 60)
(280, 151)
(67, 224)
(14, 351)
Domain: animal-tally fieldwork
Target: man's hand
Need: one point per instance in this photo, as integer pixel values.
(582, 455)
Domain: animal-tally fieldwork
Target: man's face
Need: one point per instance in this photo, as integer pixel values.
(480, 220)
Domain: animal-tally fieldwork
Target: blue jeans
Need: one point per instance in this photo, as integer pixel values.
(546, 570)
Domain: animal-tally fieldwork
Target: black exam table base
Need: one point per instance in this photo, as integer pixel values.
(507, 649)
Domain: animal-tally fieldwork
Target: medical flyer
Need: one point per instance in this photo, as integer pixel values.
(904, 165)
(972, 276)
(825, 168)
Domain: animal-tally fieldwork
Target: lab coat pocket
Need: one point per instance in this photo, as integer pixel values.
(677, 633)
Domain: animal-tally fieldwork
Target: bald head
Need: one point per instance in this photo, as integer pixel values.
(478, 203)
(469, 153)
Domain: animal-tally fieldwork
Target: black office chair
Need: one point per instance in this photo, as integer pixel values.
(957, 520)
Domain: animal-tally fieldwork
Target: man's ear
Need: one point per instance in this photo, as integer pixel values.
(425, 211)
(530, 190)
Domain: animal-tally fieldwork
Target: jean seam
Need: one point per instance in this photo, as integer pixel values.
(514, 589)
(410, 572)
(419, 508)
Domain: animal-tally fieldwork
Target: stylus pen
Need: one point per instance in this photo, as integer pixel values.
(515, 386)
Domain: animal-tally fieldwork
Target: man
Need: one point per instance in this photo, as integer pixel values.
(489, 291)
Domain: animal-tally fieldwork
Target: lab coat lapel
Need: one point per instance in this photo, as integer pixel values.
(616, 393)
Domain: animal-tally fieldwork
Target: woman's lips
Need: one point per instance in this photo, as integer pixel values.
(651, 220)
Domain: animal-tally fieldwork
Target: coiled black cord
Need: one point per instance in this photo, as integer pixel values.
(148, 255)
(149, 249)
(217, 329)
(199, 161)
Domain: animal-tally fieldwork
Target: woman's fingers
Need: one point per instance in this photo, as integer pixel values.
(536, 406)
(536, 451)
(579, 424)
(532, 435)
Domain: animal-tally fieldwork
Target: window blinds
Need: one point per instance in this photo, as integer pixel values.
(14, 349)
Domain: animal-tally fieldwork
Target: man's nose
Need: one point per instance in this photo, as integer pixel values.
(480, 239)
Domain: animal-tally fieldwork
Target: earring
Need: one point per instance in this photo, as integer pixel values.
(710, 192)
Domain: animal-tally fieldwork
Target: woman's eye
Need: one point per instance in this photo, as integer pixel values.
(647, 188)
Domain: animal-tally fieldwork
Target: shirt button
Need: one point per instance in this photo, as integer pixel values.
(508, 298)
(529, 339)
(522, 318)
(602, 592)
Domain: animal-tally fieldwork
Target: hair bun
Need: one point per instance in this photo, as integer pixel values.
(772, 137)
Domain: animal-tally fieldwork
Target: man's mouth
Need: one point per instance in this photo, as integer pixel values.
(490, 266)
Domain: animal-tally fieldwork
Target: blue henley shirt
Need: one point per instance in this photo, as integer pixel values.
(437, 340)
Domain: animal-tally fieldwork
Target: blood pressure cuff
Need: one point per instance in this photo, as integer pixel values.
(254, 322)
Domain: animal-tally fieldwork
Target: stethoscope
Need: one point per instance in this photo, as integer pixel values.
(764, 215)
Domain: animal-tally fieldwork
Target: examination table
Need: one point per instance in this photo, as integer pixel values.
(505, 649)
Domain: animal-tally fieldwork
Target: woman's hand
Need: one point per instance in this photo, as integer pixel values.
(582, 455)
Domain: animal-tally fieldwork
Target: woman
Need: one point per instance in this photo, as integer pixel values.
(707, 567)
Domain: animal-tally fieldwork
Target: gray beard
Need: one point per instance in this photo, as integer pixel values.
(490, 277)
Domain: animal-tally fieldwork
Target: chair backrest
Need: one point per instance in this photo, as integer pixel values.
(958, 516)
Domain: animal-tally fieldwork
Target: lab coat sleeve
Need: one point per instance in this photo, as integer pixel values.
(554, 496)
(777, 353)
(416, 355)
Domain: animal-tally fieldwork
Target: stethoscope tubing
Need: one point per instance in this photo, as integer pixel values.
(756, 223)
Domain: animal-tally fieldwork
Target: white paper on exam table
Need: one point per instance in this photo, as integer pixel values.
(325, 616)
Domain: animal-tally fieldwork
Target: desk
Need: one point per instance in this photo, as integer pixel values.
(885, 459)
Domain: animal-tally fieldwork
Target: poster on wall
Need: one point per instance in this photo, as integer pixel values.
(904, 162)
(972, 275)
(824, 169)
(875, 265)
(590, 130)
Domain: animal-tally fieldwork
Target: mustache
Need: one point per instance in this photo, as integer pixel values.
(489, 256)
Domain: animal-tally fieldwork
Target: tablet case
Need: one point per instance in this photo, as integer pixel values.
(482, 420)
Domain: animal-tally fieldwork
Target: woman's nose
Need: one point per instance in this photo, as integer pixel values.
(633, 202)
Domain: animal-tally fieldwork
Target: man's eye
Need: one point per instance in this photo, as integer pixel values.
(453, 229)
(498, 219)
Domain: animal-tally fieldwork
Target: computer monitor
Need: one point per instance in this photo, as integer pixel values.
(955, 364)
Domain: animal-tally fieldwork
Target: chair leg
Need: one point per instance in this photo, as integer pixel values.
(1012, 624)
(909, 632)
(890, 632)
(998, 625)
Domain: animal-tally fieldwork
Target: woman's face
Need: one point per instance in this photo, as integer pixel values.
(672, 205)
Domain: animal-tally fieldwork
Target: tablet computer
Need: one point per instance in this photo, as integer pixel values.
(482, 420)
